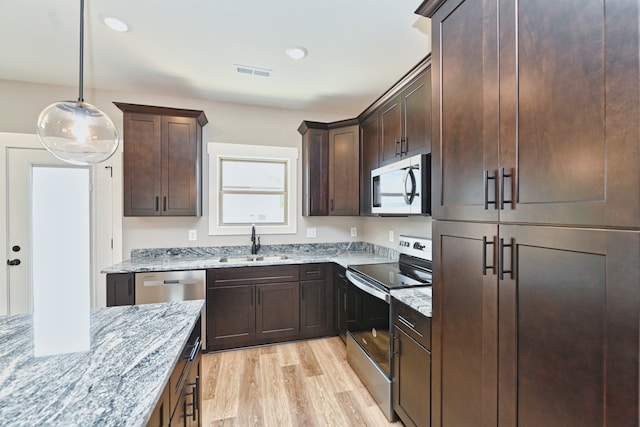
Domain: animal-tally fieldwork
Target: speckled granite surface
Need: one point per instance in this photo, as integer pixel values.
(117, 383)
(196, 258)
(418, 298)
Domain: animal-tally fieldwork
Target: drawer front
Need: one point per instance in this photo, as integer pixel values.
(252, 275)
(413, 323)
(312, 271)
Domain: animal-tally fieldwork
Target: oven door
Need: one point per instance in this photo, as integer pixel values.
(370, 325)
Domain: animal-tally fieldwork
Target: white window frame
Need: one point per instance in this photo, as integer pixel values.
(218, 151)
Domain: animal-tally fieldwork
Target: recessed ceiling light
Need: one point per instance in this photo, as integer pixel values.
(296, 52)
(115, 24)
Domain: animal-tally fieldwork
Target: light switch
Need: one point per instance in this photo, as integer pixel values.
(391, 236)
(354, 231)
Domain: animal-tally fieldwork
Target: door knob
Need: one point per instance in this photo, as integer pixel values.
(13, 262)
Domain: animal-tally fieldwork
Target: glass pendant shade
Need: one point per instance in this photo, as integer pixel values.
(77, 132)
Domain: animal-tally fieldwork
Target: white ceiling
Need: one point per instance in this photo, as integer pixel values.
(188, 48)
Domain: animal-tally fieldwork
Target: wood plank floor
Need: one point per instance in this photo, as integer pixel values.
(308, 383)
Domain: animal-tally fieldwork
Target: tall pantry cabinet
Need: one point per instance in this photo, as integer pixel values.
(536, 201)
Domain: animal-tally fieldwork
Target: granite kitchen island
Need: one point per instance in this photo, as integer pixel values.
(116, 383)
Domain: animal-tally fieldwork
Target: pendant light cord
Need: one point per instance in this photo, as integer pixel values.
(80, 94)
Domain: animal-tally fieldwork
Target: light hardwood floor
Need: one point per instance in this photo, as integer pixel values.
(308, 383)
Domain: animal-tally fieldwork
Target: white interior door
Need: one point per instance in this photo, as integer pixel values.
(20, 237)
(20, 162)
(19, 153)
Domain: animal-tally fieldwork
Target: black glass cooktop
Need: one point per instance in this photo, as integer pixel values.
(393, 275)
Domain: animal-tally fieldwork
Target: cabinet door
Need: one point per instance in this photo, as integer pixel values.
(315, 172)
(465, 111)
(277, 310)
(313, 311)
(568, 97)
(142, 160)
(411, 380)
(341, 303)
(162, 412)
(369, 149)
(120, 289)
(181, 165)
(344, 172)
(465, 335)
(569, 327)
(390, 131)
(193, 395)
(230, 316)
(569, 112)
(416, 118)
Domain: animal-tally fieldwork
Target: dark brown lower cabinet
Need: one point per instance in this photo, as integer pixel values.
(160, 415)
(535, 325)
(231, 316)
(252, 305)
(194, 401)
(313, 312)
(316, 300)
(252, 314)
(181, 401)
(120, 289)
(343, 312)
(267, 304)
(411, 366)
(277, 311)
(188, 411)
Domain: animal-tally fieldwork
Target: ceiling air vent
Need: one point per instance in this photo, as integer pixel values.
(252, 71)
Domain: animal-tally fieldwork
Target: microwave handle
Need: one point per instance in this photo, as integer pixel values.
(408, 198)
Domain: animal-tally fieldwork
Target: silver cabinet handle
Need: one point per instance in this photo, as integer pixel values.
(408, 198)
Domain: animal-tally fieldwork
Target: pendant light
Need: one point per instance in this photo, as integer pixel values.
(74, 131)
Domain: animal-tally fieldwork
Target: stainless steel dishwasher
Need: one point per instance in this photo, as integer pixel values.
(167, 286)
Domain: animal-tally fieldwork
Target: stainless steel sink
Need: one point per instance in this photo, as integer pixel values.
(257, 258)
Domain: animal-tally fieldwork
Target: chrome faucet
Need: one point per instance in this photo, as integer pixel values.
(254, 246)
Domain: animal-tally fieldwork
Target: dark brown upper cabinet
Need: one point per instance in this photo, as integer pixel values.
(405, 121)
(536, 112)
(330, 168)
(315, 168)
(162, 160)
(344, 170)
(369, 158)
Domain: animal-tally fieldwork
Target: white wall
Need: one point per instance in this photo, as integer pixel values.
(21, 103)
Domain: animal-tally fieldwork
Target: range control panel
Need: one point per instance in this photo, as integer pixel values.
(415, 246)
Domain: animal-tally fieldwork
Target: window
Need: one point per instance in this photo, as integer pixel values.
(251, 184)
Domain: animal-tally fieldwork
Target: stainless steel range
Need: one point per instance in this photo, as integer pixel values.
(368, 332)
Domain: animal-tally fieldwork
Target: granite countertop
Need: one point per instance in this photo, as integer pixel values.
(418, 298)
(174, 259)
(116, 383)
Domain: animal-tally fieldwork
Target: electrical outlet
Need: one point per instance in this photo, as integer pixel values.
(391, 236)
(311, 232)
(354, 231)
(193, 235)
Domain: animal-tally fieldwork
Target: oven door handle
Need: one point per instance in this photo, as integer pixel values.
(371, 290)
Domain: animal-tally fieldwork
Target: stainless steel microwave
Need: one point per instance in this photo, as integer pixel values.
(403, 187)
